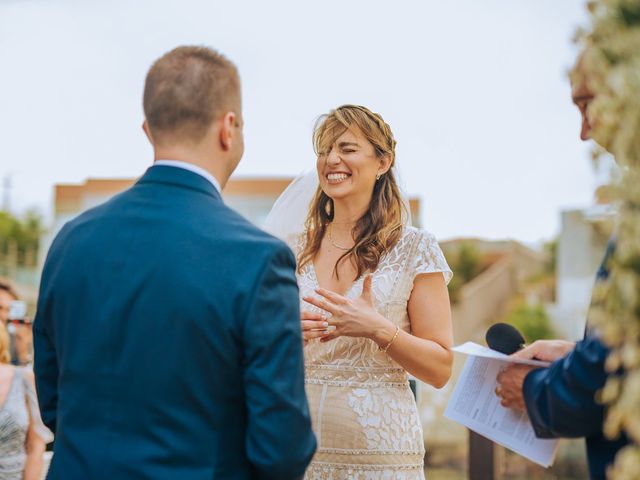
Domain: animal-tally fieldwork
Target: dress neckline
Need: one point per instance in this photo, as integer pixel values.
(314, 277)
(316, 282)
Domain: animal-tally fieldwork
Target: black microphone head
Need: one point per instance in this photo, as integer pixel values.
(504, 338)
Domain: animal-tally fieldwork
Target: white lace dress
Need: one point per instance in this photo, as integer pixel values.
(363, 412)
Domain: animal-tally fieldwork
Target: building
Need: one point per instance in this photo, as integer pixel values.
(581, 245)
(252, 197)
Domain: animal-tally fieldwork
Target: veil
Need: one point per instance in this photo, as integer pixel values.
(289, 212)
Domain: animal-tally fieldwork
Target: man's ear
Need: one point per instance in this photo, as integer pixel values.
(228, 130)
(147, 131)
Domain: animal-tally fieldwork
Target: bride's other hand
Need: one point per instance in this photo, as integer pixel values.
(314, 325)
(351, 317)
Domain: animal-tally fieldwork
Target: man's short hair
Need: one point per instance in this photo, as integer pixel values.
(185, 90)
(5, 286)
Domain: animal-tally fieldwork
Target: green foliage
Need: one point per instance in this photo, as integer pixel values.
(22, 234)
(630, 13)
(454, 288)
(551, 249)
(532, 321)
(466, 264)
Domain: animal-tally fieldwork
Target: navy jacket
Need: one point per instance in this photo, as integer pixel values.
(168, 342)
(561, 400)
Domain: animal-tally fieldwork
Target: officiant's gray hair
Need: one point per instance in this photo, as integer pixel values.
(186, 90)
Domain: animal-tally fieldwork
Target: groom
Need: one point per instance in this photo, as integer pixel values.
(167, 338)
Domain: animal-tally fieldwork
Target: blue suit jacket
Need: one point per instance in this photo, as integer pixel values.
(168, 342)
(561, 399)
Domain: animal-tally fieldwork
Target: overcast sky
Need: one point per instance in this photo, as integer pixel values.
(475, 91)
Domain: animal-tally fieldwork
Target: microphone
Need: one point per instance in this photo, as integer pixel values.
(504, 338)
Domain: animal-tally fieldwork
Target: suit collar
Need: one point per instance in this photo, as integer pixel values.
(191, 167)
(179, 177)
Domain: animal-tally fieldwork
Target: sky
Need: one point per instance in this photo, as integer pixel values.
(476, 93)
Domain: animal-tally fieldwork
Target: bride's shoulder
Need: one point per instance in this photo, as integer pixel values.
(418, 241)
(425, 254)
(411, 234)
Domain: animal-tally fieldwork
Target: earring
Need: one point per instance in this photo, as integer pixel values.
(378, 177)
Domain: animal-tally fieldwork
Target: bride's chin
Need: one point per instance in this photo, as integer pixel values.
(335, 193)
(336, 189)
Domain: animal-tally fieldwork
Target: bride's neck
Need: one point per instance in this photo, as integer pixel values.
(348, 213)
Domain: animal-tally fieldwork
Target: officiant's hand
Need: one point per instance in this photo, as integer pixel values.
(351, 317)
(511, 379)
(314, 325)
(546, 350)
(509, 388)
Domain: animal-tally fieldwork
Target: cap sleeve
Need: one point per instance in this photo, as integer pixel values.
(32, 403)
(429, 258)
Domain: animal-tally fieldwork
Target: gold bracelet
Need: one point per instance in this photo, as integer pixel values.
(393, 339)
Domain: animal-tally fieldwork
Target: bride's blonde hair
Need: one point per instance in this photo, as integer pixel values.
(379, 229)
(5, 355)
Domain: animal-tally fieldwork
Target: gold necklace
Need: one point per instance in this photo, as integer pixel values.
(330, 232)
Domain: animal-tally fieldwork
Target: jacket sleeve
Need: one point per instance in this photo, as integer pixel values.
(279, 440)
(45, 359)
(561, 400)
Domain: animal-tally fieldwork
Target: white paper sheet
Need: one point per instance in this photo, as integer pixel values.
(476, 350)
(475, 405)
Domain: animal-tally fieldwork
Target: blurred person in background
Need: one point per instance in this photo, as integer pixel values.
(23, 437)
(20, 334)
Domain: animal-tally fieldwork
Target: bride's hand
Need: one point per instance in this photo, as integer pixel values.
(314, 325)
(351, 317)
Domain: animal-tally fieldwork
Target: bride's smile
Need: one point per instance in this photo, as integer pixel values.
(337, 177)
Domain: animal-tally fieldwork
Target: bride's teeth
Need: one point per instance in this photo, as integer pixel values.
(337, 177)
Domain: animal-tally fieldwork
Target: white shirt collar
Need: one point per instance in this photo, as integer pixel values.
(192, 168)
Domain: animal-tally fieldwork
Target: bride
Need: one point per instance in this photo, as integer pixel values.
(374, 302)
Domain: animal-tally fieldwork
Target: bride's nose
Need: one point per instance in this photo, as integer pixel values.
(333, 158)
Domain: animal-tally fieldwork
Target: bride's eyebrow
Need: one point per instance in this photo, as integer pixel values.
(348, 144)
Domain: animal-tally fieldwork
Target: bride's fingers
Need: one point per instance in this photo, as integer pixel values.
(311, 334)
(306, 315)
(366, 288)
(314, 325)
(331, 296)
(322, 304)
